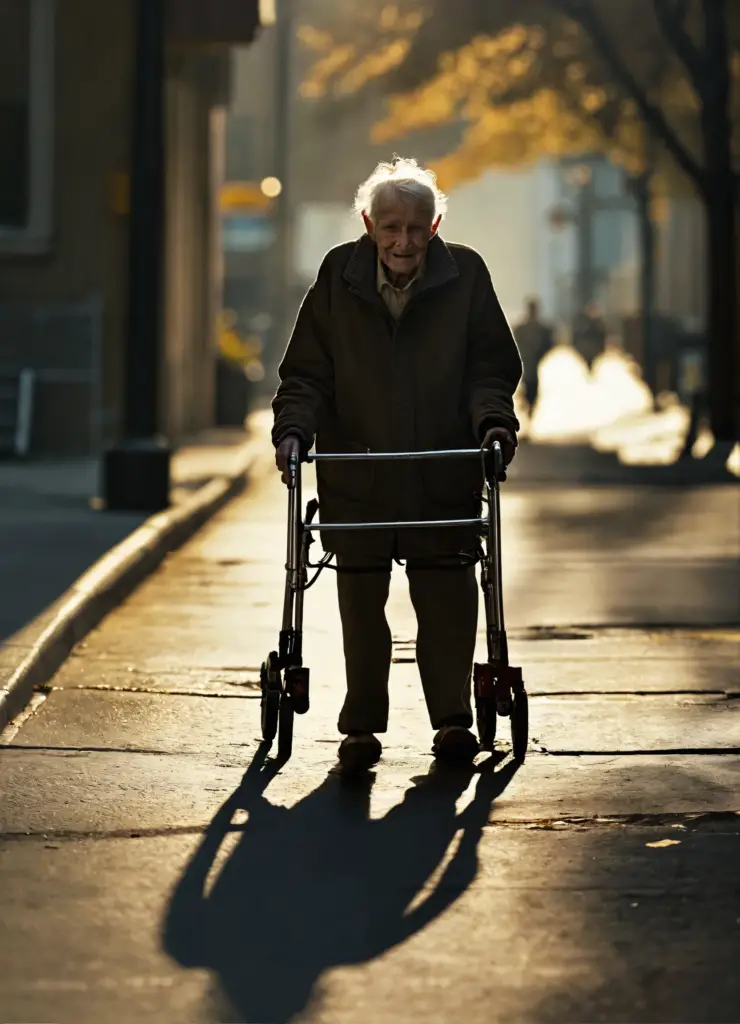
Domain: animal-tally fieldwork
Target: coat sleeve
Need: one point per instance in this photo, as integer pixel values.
(306, 372)
(494, 366)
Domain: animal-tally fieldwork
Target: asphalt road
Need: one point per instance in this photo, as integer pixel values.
(147, 877)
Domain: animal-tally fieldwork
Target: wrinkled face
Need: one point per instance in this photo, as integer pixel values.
(402, 230)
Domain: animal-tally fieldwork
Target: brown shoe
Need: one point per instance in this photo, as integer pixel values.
(455, 743)
(359, 753)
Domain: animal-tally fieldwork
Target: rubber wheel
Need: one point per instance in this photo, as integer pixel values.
(485, 713)
(519, 726)
(270, 708)
(285, 731)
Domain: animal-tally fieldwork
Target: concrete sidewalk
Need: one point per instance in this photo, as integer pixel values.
(68, 566)
(52, 529)
(148, 877)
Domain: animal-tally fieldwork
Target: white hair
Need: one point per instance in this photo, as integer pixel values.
(403, 176)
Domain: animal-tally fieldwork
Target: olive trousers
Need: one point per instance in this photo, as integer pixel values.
(445, 599)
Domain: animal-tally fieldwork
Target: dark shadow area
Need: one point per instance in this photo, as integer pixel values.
(539, 462)
(602, 524)
(193, 484)
(658, 926)
(44, 548)
(672, 587)
(321, 884)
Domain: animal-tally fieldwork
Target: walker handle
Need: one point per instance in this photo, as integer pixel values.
(499, 469)
(493, 463)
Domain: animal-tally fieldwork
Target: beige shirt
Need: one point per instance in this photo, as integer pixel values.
(396, 299)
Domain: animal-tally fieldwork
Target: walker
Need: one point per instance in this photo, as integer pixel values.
(498, 687)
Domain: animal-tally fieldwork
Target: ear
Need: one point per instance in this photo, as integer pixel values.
(369, 227)
(435, 226)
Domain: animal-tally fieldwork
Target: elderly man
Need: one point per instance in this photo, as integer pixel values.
(401, 345)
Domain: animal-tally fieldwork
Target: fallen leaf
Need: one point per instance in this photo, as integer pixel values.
(660, 843)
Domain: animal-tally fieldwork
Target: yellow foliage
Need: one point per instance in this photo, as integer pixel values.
(374, 65)
(463, 84)
(470, 82)
(576, 72)
(313, 39)
(375, 42)
(233, 346)
(520, 65)
(336, 60)
(517, 134)
(546, 123)
(593, 99)
(389, 17)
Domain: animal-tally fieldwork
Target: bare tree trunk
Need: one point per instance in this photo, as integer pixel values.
(709, 70)
(722, 313)
(641, 191)
(720, 196)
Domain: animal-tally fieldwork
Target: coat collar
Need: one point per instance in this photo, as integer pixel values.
(361, 273)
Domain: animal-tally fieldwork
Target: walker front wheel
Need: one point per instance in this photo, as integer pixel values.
(270, 704)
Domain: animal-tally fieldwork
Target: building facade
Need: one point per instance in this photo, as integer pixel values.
(66, 116)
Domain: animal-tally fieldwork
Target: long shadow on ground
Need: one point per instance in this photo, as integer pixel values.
(320, 884)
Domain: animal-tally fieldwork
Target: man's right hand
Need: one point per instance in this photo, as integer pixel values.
(290, 445)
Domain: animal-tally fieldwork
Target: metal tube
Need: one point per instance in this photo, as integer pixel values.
(421, 525)
(287, 604)
(289, 592)
(296, 523)
(494, 555)
(298, 623)
(445, 453)
(294, 528)
(302, 577)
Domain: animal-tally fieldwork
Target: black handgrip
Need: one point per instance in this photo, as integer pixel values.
(293, 461)
(494, 462)
(499, 468)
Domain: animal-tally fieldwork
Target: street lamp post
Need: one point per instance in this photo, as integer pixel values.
(136, 473)
(281, 156)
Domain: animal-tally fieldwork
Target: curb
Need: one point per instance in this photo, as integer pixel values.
(32, 656)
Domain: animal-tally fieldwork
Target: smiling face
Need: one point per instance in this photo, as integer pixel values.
(402, 230)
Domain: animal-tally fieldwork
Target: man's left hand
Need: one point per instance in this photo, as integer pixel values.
(504, 438)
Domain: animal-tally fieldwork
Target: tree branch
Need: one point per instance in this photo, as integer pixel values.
(655, 120)
(671, 22)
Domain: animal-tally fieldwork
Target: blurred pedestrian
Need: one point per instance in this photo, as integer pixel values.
(589, 333)
(692, 386)
(401, 345)
(534, 340)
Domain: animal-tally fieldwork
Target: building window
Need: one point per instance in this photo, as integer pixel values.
(26, 124)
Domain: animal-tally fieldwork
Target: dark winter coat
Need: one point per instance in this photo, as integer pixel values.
(355, 379)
